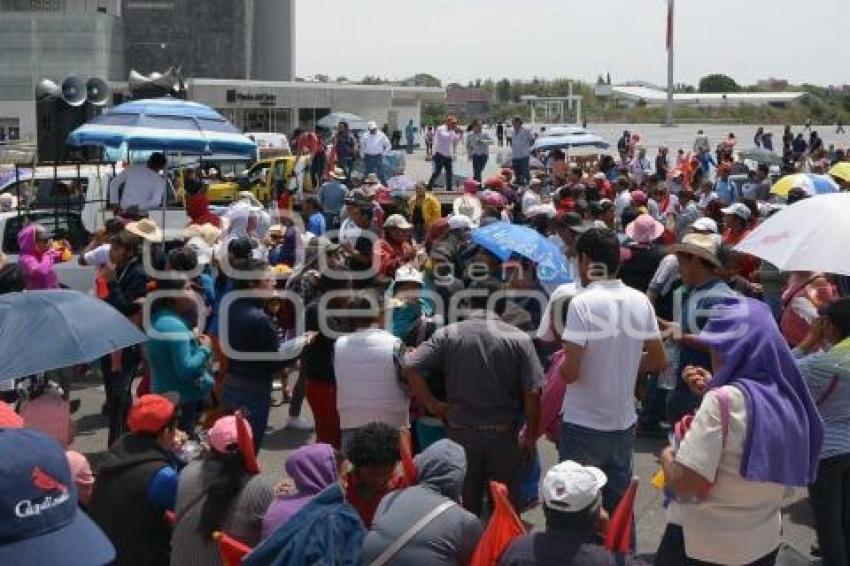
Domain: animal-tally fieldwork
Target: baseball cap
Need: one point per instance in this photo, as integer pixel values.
(408, 274)
(774, 171)
(738, 209)
(705, 224)
(397, 221)
(40, 521)
(233, 431)
(460, 222)
(150, 413)
(570, 487)
(372, 125)
(8, 417)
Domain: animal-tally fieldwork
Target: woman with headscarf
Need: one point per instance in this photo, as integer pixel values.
(756, 432)
(37, 257)
(311, 468)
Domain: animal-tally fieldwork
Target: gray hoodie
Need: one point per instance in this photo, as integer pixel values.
(451, 537)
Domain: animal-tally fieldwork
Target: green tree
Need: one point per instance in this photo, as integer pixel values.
(433, 113)
(718, 83)
(503, 91)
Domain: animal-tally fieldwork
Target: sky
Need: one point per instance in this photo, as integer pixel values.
(460, 40)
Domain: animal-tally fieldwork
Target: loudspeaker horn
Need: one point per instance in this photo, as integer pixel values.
(98, 92)
(74, 91)
(46, 90)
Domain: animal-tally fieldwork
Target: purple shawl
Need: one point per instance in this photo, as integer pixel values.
(312, 468)
(784, 428)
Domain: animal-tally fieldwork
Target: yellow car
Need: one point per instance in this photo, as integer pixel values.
(260, 179)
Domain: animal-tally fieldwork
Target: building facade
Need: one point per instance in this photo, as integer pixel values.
(53, 39)
(282, 106)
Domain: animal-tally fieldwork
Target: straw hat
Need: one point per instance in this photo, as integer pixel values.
(703, 246)
(338, 174)
(207, 232)
(146, 229)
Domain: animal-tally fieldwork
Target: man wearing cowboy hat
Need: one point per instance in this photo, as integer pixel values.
(332, 197)
(703, 290)
(373, 147)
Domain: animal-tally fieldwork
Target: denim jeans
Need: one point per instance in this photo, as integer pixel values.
(610, 451)
(442, 162)
(478, 164)
(254, 406)
(830, 499)
(347, 165)
(375, 164)
(521, 172)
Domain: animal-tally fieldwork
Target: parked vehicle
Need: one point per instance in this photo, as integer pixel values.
(264, 178)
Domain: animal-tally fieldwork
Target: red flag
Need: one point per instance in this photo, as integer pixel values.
(618, 537)
(230, 550)
(503, 527)
(246, 444)
(669, 25)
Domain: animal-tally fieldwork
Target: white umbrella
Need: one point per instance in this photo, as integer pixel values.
(810, 235)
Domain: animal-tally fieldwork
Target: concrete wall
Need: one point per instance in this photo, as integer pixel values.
(21, 112)
(273, 40)
(56, 45)
(207, 38)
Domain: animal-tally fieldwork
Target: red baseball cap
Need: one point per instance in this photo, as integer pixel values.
(150, 413)
(8, 417)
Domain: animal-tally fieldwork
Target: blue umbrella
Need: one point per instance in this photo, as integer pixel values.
(504, 239)
(164, 124)
(568, 141)
(45, 330)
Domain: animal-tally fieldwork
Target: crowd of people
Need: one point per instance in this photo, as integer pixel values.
(433, 366)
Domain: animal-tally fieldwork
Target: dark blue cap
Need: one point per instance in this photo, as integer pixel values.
(40, 522)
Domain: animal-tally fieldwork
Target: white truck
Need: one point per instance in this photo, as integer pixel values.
(71, 202)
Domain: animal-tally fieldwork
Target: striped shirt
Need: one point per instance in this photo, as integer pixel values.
(827, 375)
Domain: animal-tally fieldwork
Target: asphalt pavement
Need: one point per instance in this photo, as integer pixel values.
(91, 429)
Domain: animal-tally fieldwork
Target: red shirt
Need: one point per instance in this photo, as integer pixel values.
(367, 507)
(308, 141)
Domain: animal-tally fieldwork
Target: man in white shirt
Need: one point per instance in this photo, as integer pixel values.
(608, 328)
(445, 138)
(373, 147)
(531, 197)
(521, 145)
(138, 189)
(640, 167)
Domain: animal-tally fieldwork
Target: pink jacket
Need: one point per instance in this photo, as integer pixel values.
(37, 267)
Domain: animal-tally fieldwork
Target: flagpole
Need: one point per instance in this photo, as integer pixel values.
(670, 16)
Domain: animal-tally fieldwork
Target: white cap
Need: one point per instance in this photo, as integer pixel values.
(460, 222)
(600, 175)
(570, 487)
(408, 274)
(738, 209)
(774, 171)
(397, 221)
(201, 248)
(705, 224)
(372, 125)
